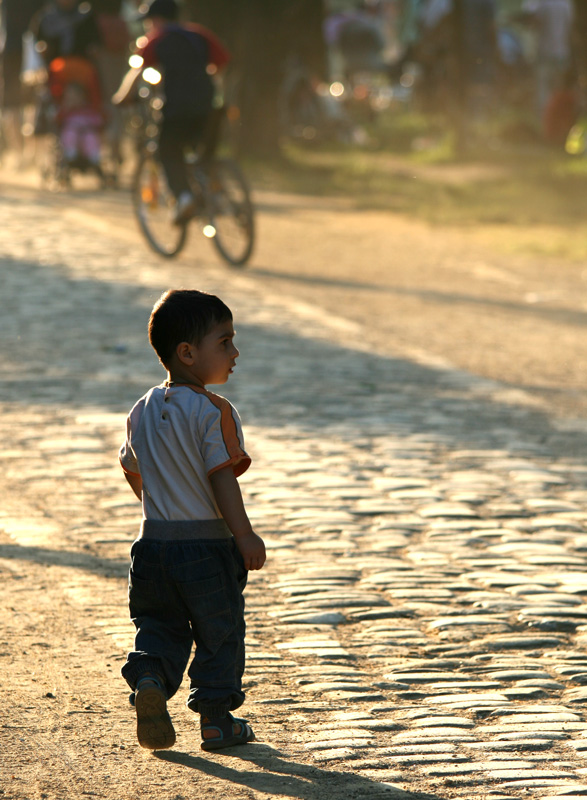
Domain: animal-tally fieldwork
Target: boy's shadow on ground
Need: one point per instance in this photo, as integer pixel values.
(276, 776)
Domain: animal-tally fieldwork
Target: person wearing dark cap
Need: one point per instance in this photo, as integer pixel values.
(187, 55)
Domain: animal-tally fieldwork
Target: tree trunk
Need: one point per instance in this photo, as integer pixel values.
(460, 84)
(262, 36)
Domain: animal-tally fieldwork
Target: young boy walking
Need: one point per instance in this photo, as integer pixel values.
(183, 453)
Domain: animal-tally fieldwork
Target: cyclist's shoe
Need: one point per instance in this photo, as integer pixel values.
(185, 208)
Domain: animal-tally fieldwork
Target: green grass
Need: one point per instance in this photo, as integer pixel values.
(535, 195)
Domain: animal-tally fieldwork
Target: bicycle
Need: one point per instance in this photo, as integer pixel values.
(223, 200)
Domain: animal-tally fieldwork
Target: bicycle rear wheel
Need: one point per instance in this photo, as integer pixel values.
(153, 205)
(230, 211)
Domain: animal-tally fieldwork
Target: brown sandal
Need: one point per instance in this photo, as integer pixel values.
(154, 727)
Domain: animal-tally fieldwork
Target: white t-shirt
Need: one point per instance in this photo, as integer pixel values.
(176, 436)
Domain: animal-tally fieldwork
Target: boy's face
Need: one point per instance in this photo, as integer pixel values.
(213, 360)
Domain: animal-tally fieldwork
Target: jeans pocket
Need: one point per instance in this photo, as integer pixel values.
(143, 595)
(210, 609)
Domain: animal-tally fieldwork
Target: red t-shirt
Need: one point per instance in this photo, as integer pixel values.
(217, 53)
(184, 54)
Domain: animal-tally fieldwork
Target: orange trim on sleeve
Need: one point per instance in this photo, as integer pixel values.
(238, 466)
(240, 460)
(128, 472)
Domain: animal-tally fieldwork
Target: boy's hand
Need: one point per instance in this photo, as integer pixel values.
(230, 502)
(252, 549)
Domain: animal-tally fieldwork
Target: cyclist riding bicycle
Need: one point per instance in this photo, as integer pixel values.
(188, 56)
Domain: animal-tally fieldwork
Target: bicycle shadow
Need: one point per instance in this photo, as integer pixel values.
(281, 776)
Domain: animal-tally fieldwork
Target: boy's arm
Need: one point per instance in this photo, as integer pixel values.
(135, 483)
(229, 499)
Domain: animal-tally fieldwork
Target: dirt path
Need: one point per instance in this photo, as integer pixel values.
(75, 359)
(471, 298)
(388, 488)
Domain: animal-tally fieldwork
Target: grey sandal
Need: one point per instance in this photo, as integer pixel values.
(224, 727)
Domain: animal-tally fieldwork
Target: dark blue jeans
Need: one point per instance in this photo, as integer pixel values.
(183, 592)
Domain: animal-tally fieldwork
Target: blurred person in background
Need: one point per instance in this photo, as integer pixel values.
(187, 55)
(561, 111)
(66, 28)
(15, 16)
(80, 126)
(67, 39)
(357, 39)
(112, 61)
(551, 22)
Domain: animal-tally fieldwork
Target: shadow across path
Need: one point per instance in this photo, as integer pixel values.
(550, 313)
(106, 567)
(275, 774)
(289, 373)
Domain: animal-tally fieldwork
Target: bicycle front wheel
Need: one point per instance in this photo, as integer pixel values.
(230, 211)
(153, 205)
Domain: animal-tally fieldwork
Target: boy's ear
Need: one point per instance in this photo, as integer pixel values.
(185, 353)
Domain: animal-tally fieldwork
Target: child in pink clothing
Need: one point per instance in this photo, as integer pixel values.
(80, 127)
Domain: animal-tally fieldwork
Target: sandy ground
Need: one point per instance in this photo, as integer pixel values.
(335, 308)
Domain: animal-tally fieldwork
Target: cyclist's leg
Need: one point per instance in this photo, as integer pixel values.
(210, 133)
(172, 140)
(176, 135)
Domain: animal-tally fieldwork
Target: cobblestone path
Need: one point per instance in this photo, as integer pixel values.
(420, 627)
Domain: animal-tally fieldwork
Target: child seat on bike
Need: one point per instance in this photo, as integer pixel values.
(78, 113)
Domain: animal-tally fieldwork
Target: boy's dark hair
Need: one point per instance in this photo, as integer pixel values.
(183, 315)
